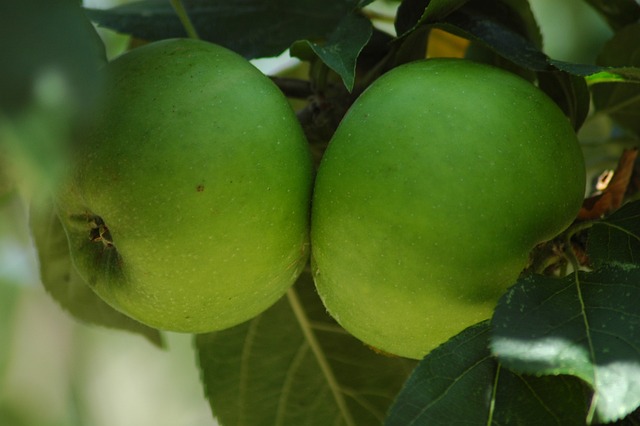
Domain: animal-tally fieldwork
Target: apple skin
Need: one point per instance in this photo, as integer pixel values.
(187, 202)
(440, 179)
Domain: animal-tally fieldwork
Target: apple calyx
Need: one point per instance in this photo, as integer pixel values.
(99, 232)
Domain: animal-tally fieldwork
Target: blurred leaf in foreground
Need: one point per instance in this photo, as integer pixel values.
(63, 283)
(45, 36)
(461, 383)
(48, 84)
(293, 365)
(585, 325)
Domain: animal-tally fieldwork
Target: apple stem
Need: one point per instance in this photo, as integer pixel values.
(568, 247)
(293, 87)
(178, 6)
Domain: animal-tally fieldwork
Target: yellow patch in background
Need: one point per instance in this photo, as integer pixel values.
(442, 44)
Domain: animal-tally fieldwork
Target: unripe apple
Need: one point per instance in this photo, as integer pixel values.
(187, 202)
(437, 184)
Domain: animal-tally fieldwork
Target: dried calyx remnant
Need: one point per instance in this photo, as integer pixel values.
(99, 231)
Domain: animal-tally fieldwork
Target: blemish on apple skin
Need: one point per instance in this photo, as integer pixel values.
(200, 188)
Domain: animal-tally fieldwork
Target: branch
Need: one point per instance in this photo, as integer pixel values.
(293, 87)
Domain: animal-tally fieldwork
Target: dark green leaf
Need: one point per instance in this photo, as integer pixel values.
(514, 16)
(582, 70)
(508, 28)
(585, 325)
(570, 92)
(145, 19)
(596, 74)
(461, 383)
(474, 24)
(616, 238)
(618, 13)
(253, 28)
(413, 13)
(621, 101)
(547, 400)
(342, 47)
(521, 18)
(293, 365)
(63, 283)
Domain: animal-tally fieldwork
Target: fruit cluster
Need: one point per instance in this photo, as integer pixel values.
(191, 203)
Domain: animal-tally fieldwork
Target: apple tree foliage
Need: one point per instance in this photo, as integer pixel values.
(563, 344)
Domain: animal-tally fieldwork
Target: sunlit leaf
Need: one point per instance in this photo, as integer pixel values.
(293, 365)
(586, 325)
(461, 383)
(63, 283)
(615, 75)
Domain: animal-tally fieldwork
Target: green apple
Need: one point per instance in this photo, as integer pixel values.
(439, 181)
(187, 203)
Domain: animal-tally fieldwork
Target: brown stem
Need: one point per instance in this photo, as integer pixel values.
(293, 87)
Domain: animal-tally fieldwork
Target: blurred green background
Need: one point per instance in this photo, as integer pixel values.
(57, 371)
